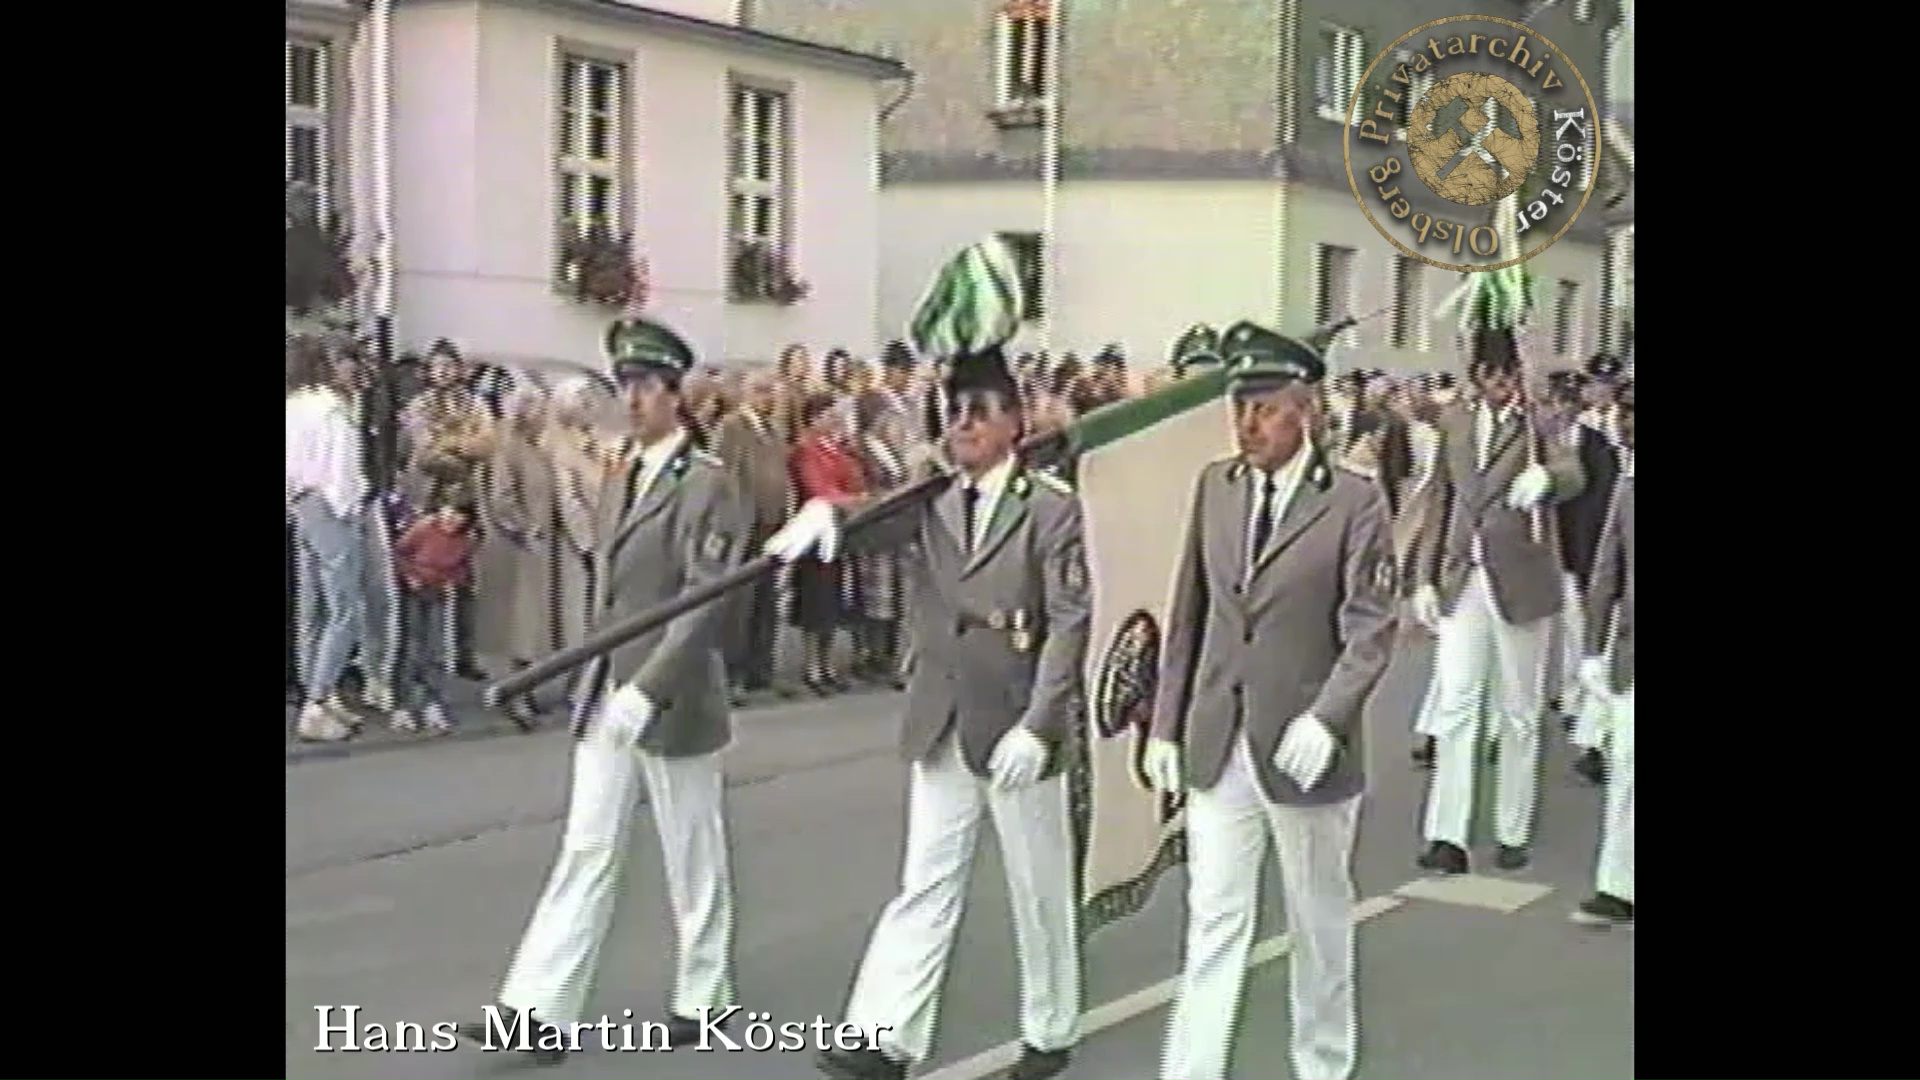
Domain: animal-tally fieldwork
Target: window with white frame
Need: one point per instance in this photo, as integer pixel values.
(593, 118)
(309, 105)
(1409, 304)
(1337, 71)
(1332, 282)
(759, 199)
(1023, 36)
(1566, 317)
(1418, 85)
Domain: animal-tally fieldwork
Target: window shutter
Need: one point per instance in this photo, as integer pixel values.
(1356, 67)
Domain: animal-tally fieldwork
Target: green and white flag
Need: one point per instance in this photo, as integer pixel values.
(1500, 299)
(972, 305)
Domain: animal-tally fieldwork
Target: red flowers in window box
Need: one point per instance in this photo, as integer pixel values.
(762, 272)
(598, 266)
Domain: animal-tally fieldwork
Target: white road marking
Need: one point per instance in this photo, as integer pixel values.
(1099, 1018)
(1471, 890)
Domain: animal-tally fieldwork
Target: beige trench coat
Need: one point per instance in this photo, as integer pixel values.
(514, 569)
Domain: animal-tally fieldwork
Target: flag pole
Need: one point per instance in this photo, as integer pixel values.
(1050, 172)
(380, 177)
(1505, 213)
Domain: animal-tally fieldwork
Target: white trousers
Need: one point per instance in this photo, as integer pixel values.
(1485, 666)
(1614, 875)
(1228, 828)
(906, 961)
(559, 956)
(1569, 627)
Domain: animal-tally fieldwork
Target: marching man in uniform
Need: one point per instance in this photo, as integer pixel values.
(1281, 623)
(997, 571)
(1609, 678)
(1489, 582)
(654, 711)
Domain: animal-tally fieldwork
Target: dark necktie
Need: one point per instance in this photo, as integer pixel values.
(969, 506)
(633, 486)
(1263, 521)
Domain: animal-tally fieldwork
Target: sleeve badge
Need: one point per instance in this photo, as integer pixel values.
(1386, 576)
(715, 547)
(1074, 574)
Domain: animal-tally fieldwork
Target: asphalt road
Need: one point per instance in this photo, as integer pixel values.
(412, 865)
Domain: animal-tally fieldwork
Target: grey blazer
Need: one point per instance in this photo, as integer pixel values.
(691, 527)
(1525, 574)
(1311, 630)
(999, 638)
(1610, 591)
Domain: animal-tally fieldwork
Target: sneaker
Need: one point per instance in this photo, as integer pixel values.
(1601, 909)
(403, 721)
(319, 724)
(435, 716)
(342, 711)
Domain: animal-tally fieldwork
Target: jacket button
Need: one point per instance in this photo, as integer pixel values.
(1236, 689)
(1238, 589)
(1246, 638)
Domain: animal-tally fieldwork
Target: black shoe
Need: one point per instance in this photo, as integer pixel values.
(1601, 909)
(472, 673)
(1511, 858)
(859, 1065)
(685, 1031)
(1591, 767)
(1039, 1064)
(820, 685)
(1443, 858)
(1423, 753)
(551, 1053)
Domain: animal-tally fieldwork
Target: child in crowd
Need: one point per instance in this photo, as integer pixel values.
(435, 558)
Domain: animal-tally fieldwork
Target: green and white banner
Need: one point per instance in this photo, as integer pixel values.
(1137, 464)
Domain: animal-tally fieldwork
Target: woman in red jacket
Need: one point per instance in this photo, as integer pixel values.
(822, 468)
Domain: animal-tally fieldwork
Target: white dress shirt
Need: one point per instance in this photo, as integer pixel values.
(1606, 421)
(1485, 422)
(1286, 483)
(991, 485)
(654, 458)
(323, 451)
(1424, 442)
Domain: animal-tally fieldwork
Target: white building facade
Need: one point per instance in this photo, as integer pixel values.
(1200, 175)
(516, 123)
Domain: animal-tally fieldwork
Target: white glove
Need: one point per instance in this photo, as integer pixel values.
(1426, 606)
(1305, 751)
(1161, 762)
(1018, 759)
(815, 529)
(627, 713)
(1528, 488)
(1593, 677)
